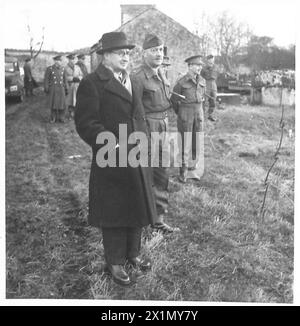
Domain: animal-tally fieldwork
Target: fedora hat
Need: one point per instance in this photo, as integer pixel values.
(113, 41)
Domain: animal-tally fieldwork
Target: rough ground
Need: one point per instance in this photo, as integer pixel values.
(225, 252)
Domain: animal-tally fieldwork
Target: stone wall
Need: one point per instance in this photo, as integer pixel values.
(272, 95)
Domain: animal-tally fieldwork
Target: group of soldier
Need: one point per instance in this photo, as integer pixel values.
(61, 84)
(122, 200)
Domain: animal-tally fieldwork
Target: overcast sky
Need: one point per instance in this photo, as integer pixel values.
(73, 24)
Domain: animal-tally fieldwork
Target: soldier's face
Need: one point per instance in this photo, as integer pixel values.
(210, 62)
(57, 63)
(154, 56)
(118, 60)
(195, 68)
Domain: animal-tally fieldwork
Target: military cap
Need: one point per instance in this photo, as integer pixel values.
(195, 59)
(151, 41)
(57, 57)
(209, 57)
(71, 56)
(166, 61)
(113, 41)
(81, 56)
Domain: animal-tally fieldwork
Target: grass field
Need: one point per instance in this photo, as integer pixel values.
(225, 252)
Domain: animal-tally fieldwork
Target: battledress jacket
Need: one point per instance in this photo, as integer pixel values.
(118, 196)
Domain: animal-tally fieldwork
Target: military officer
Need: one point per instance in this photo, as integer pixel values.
(210, 74)
(152, 94)
(74, 76)
(55, 86)
(187, 98)
(81, 64)
(29, 82)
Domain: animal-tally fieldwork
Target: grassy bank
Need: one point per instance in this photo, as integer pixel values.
(224, 251)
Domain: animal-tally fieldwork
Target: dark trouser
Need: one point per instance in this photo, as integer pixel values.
(160, 173)
(57, 115)
(120, 244)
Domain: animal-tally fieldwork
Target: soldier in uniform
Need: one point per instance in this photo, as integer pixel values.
(55, 86)
(189, 110)
(74, 76)
(210, 74)
(152, 94)
(81, 64)
(29, 82)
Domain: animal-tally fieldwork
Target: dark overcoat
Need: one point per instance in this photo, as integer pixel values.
(55, 86)
(118, 196)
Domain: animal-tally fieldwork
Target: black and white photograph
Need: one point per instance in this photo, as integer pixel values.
(149, 152)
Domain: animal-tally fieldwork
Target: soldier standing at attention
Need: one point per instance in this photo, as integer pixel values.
(74, 76)
(55, 86)
(29, 82)
(189, 110)
(210, 74)
(152, 94)
(81, 64)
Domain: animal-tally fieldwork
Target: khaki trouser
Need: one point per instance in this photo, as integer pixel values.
(190, 121)
(160, 173)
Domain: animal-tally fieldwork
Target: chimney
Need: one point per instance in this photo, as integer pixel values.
(128, 12)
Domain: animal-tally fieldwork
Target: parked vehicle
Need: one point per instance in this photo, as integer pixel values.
(14, 85)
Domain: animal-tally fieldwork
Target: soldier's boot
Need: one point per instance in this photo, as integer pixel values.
(183, 174)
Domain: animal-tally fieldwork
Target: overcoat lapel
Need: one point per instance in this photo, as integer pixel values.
(112, 85)
(115, 87)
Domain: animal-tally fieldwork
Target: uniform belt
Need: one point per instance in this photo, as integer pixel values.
(157, 115)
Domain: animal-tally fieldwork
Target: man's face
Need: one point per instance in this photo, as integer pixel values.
(154, 56)
(210, 62)
(195, 68)
(57, 63)
(72, 61)
(118, 60)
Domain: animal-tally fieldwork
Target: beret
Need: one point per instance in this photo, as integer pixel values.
(151, 41)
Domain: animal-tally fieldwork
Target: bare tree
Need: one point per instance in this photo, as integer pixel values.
(36, 48)
(229, 37)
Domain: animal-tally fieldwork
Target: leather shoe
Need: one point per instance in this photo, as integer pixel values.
(212, 118)
(143, 264)
(118, 273)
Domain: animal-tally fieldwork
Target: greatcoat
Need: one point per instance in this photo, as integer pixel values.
(118, 196)
(55, 85)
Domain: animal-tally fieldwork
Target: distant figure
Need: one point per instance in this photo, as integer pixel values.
(165, 66)
(187, 99)
(210, 74)
(74, 76)
(29, 82)
(81, 64)
(55, 86)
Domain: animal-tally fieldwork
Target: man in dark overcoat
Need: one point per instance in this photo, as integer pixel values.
(121, 199)
(55, 86)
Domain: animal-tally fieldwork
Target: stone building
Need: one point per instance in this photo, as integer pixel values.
(138, 20)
